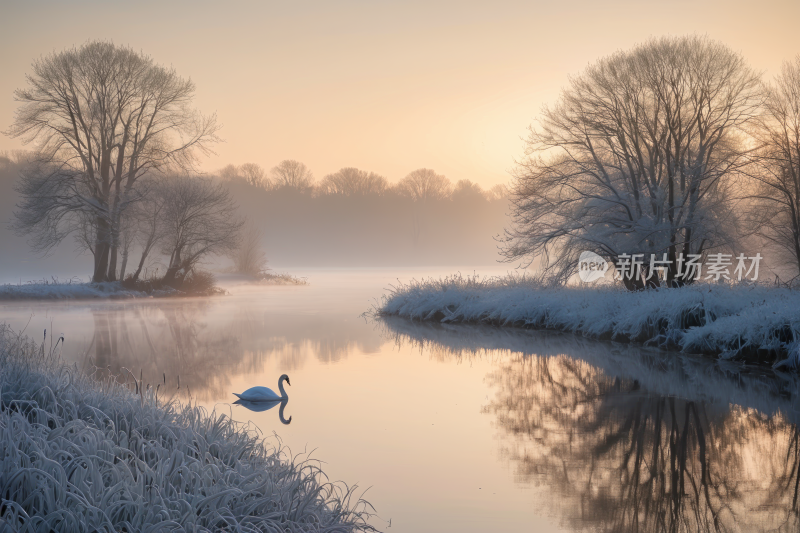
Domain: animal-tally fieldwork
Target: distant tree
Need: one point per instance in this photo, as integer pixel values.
(101, 116)
(498, 192)
(249, 172)
(465, 189)
(254, 175)
(351, 181)
(229, 172)
(638, 156)
(249, 257)
(199, 219)
(777, 177)
(292, 174)
(424, 184)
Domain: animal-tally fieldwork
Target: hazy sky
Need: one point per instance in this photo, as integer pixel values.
(386, 86)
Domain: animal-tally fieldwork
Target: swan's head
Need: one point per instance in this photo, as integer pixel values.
(286, 378)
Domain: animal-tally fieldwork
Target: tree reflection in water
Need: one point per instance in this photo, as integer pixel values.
(627, 439)
(207, 343)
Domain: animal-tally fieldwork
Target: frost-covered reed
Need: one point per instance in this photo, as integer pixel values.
(82, 454)
(732, 321)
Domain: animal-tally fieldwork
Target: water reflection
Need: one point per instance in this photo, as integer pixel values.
(204, 343)
(262, 406)
(626, 439)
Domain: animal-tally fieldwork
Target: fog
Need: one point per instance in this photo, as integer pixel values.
(303, 229)
(17, 261)
(299, 229)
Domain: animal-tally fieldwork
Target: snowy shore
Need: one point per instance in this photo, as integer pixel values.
(80, 454)
(77, 291)
(752, 322)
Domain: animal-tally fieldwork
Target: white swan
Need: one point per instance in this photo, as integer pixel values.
(264, 394)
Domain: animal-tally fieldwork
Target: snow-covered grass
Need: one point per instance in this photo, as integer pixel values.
(742, 321)
(280, 278)
(73, 291)
(83, 454)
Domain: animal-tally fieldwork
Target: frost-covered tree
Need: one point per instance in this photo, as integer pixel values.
(101, 116)
(424, 184)
(777, 176)
(638, 155)
(352, 181)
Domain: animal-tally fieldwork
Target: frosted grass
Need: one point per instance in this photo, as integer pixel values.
(83, 454)
(732, 321)
(75, 291)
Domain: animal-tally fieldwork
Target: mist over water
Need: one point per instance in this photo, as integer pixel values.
(462, 428)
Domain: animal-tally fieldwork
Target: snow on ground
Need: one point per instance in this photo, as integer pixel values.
(81, 454)
(73, 291)
(732, 321)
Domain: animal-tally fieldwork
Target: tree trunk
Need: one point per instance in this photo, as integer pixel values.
(112, 264)
(124, 264)
(101, 252)
(174, 266)
(141, 265)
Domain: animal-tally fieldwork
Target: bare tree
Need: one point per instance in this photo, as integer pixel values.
(229, 172)
(466, 189)
(292, 174)
(146, 218)
(424, 184)
(638, 156)
(777, 177)
(352, 181)
(250, 258)
(101, 116)
(498, 192)
(249, 172)
(254, 175)
(199, 220)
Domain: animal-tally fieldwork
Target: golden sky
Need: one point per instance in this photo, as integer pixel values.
(383, 85)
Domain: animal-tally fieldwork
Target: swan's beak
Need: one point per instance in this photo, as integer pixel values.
(288, 382)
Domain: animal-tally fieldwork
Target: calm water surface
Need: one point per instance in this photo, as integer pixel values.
(457, 428)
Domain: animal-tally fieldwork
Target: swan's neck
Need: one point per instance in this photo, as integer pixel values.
(280, 388)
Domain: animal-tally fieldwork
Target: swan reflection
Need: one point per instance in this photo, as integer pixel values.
(261, 406)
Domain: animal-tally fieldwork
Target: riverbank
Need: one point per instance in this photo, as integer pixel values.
(200, 284)
(750, 322)
(83, 454)
(80, 291)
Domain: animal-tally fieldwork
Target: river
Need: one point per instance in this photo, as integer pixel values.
(463, 428)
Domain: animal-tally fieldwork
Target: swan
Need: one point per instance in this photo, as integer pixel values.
(264, 394)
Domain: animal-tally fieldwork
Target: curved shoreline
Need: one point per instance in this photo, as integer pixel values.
(754, 323)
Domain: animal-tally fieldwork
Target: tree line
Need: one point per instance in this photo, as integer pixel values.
(420, 185)
(674, 149)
